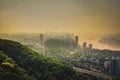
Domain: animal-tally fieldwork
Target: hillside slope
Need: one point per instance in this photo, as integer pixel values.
(32, 66)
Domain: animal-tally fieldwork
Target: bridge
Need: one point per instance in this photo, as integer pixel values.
(104, 76)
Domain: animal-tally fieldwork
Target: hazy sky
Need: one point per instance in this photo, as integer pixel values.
(89, 16)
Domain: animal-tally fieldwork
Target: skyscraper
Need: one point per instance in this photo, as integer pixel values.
(76, 40)
(107, 64)
(115, 67)
(41, 40)
(84, 45)
(90, 46)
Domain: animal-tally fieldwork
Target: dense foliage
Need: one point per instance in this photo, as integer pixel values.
(18, 62)
(9, 70)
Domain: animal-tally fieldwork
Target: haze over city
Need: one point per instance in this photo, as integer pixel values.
(89, 19)
(60, 39)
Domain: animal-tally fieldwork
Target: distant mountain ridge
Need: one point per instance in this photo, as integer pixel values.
(111, 40)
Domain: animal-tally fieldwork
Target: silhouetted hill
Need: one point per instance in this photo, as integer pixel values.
(17, 62)
(111, 40)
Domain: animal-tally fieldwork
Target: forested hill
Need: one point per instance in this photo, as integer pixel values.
(17, 62)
